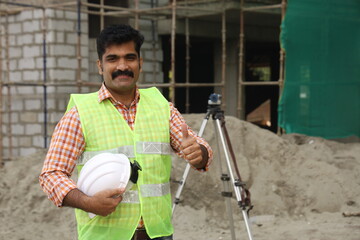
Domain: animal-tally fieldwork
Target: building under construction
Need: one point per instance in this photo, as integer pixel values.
(192, 48)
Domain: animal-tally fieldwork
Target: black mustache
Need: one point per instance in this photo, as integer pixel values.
(120, 73)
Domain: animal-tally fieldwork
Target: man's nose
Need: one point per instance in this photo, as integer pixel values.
(122, 65)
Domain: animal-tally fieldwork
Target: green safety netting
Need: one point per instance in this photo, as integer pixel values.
(321, 95)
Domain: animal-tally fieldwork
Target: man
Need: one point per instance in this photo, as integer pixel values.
(120, 115)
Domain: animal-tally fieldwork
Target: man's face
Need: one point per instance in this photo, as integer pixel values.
(120, 67)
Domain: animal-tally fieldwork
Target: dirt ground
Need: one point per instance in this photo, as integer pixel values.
(300, 187)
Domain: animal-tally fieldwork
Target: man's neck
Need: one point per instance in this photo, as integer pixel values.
(125, 97)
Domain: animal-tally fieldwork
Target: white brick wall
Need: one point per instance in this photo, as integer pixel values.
(25, 32)
(62, 75)
(39, 38)
(63, 50)
(14, 52)
(38, 13)
(31, 51)
(38, 141)
(25, 141)
(28, 117)
(25, 90)
(25, 38)
(14, 28)
(27, 151)
(31, 76)
(31, 105)
(13, 64)
(27, 63)
(31, 26)
(25, 15)
(66, 62)
(17, 105)
(31, 129)
(18, 129)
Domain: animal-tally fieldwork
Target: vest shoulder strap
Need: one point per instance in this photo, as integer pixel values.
(154, 93)
(75, 98)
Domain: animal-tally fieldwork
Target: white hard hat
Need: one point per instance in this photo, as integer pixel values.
(105, 171)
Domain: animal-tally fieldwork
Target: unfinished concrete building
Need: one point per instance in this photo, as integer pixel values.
(192, 48)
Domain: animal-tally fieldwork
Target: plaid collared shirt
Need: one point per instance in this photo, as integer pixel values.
(68, 143)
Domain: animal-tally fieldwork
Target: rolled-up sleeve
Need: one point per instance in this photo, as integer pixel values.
(66, 145)
(176, 120)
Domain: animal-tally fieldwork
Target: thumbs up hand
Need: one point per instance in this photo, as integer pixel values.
(191, 149)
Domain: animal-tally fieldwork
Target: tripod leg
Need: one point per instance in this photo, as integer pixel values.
(236, 187)
(228, 206)
(187, 168)
(226, 191)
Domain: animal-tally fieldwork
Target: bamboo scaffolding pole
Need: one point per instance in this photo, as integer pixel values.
(78, 47)
(44, 28)
(267, 83)
(155, 9)
(187, 63)
(23, 5)
(8, 104)
(173, 33)
(240, 110)
(141, 12)
(105, 7)
(52, 84)
(102, 20)
(98, 84)
(10, 12)
(183, 85)
(282, 52)
(282, 63)
(1, 94)
(223, 55)
(121, 14)
(136, 14)
(257, 8)
(195, 9)
(149, 11)
(153, 43)
(61, 4)
(204, 14)
(199, 2)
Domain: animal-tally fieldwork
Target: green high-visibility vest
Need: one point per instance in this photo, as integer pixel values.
(105, 130)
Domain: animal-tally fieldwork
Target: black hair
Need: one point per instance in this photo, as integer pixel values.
(117, 34)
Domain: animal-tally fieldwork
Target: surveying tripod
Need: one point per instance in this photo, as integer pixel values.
(241, 193)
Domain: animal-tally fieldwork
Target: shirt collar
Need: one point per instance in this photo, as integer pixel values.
(104, 94)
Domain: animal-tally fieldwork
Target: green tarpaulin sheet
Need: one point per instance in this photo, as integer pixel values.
(321, 95)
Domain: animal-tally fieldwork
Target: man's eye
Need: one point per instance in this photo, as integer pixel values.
(131, 58)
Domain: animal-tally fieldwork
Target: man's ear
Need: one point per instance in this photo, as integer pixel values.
(140, 64)
(100, 68)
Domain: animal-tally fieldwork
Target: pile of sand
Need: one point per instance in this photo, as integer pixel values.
(299, 185)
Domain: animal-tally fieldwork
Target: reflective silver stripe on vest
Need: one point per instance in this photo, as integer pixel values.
(153, 148)
(141, 147)
(127, 150)
(147, 190)
(155, 190)
(131, 196)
